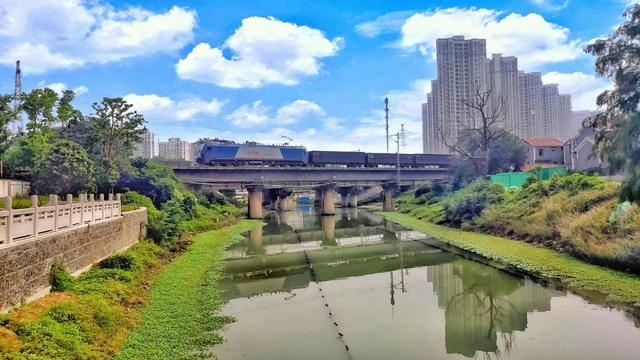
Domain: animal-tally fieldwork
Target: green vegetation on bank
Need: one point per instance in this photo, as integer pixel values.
(618, 287)
(576, 214)
(180, 321)
(87, 317)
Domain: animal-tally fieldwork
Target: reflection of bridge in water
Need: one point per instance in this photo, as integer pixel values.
(350, 243)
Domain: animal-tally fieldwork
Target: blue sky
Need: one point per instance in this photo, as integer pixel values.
(315, 71)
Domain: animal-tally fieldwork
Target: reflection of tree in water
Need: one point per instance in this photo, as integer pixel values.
(480, 302)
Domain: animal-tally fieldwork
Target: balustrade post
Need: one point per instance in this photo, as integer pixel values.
(101, 206)
(110, 205)
(8, 206)
(119, 201)
(70, 203)
(36, 216)
(53, 201)
(83, 198)
(93, 207)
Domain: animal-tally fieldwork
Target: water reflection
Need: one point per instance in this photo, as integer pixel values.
(480, 302)
(378, 279)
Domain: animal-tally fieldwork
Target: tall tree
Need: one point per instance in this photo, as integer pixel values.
(65, 169)
(617, 123)
(116, 128)
(7, 115)
(476, 140)
(39, 105)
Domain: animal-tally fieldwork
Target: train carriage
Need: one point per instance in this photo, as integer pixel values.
(389, 159)
(340, 158)
(436, 160)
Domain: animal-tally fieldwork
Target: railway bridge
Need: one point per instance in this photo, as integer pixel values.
(276, 184)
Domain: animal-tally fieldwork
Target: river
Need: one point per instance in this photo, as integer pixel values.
(355, 286)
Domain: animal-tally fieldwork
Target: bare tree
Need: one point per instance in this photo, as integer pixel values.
(476, 139)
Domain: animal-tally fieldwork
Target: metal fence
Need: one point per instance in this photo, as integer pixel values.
(18, 225)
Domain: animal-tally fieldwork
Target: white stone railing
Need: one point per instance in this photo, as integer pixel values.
(18, 225)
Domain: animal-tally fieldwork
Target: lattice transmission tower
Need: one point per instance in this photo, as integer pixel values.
(17, 98)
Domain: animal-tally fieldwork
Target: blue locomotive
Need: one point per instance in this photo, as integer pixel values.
(222, 154)
(252, 154)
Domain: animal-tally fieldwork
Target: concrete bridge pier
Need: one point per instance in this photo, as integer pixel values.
(317, 201)
(328, 205)
(348, 196)
(274, 197)
(285, 202)
(388, 202)
(328, 230)
(255, 202)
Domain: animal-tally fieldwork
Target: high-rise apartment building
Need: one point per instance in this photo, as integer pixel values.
(175, 149)
(148, 147)
(529, 108)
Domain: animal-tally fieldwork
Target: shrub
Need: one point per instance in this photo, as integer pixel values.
(468, 202)
(65, 169)
(61, 279)
(120, 261)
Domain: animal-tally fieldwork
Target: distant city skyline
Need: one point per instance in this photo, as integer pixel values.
(210, 71)
(526, 107)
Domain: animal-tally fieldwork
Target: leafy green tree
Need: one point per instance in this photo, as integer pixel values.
(27, 151)
(508, 153)
(115, 129)
(39, 105)
(65, 111)
(66, 169)
(7, 115)
(617, 124)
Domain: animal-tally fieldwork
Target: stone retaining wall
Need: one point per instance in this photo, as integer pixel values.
(25, 268)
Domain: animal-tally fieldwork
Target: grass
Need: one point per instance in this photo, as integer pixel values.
(587, 279)
(180, 320)
(87, 317)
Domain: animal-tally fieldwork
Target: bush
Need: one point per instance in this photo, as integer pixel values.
(61, 279)
(120, 261)
(467, 203)
(65, 169)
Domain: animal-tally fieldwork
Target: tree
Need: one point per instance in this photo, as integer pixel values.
(66, 169)
(7, 115)
(617, 123)
(115, 129)
(508, 153)
(39, 105)
(476, 140)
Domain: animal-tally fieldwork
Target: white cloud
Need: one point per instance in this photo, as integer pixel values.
(249, 115)
(264, 51)
(552, 5)
(296, 110)
(165, 109)
(384, 24)
(530, 37)
(59, 87)
(49, 35)
(584, 88)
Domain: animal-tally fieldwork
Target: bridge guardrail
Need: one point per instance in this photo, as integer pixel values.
(19, 225)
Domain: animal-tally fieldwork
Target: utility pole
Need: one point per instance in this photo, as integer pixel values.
(399, 140)
(386, 118)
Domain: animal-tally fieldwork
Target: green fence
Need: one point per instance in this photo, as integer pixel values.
(517, 179)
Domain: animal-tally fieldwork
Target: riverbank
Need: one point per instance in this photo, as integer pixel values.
(595, 282)
(180, 319)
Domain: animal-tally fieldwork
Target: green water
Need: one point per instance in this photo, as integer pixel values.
(354, 286)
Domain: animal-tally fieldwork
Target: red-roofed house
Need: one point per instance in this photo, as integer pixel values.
(543, 152)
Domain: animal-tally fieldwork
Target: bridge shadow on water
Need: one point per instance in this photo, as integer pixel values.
(356, 286)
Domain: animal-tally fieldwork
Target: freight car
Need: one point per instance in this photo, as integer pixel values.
(339, 158)
(252, 154)
(389, 159)
(439, 160)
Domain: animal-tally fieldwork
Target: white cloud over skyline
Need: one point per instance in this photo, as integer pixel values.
(73, 33)
(264, 51)
(157, 108)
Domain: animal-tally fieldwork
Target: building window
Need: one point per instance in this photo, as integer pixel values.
(540, 152)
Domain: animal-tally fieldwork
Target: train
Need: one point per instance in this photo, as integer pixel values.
(219, 154)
